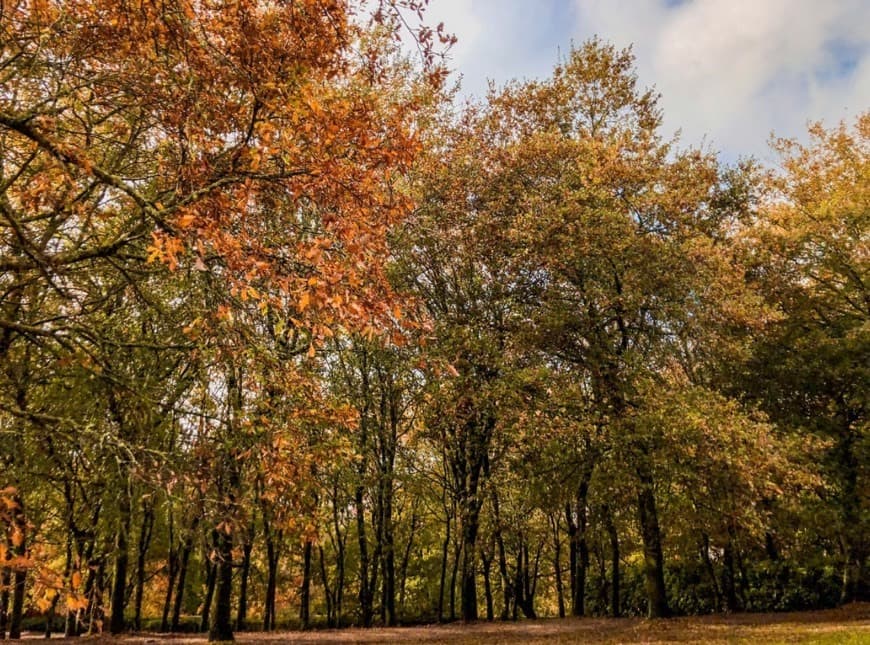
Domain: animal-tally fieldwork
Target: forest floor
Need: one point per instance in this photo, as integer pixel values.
(848, 626)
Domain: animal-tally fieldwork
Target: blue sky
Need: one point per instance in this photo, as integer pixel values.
(729, 71)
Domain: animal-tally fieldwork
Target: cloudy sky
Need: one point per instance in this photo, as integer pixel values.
(729, 71)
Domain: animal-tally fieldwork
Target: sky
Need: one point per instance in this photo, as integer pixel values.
(730, 72)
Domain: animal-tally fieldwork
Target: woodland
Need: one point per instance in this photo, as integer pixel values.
(293, 336)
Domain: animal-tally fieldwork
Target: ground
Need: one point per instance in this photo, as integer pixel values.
(847, 626)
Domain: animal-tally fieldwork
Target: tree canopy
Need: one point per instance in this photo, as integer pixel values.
(290, 335)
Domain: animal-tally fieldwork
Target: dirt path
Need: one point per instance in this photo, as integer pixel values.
(848, 625)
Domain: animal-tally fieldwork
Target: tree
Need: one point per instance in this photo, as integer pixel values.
(261, 144)
(809, 371)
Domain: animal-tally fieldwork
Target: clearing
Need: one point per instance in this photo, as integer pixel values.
(847, 625)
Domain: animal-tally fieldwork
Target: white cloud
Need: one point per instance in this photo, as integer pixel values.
(728, 70)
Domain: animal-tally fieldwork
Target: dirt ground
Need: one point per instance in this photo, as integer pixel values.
(847, 625)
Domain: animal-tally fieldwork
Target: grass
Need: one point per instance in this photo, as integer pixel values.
(845, 626)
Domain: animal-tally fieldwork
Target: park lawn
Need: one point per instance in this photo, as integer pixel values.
(845, 626)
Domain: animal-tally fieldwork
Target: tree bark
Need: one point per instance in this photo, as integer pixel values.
(19, 576)
(182, 567)
(271, 582)
(5, 583)
(406, 558)
(145, 532)
(581, 558)
(445, 550)
(615, 607)
(221, 625)
(172, 571)
(654, 568)
(242, 613)
(305, 589)
(557, 564)
(210, 580)
(122, 559)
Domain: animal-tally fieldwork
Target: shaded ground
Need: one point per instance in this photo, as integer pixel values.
(848, 625)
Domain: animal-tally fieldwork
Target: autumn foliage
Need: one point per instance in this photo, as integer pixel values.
(289, 335)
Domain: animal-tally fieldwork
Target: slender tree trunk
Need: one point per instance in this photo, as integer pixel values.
(729, 586)
(145, 532)
(610, 525)
(242, 613)
(557, 564)
(96, 607)
(182, 578)
(445, 549)
(305, 589)
(856, 544)
(454, 571)
(406, 558)
(486, 560)
(654, 568)
(221, 625)
(470, 528)
(365, 595)
(571, 528)
(19, 548)
(327, 589)
(578, 596)
(506, 586)
(210, 580)
(50, 616)
(389, 559)
(365, 600)
(339, 584)
(229, 479)
(5, 584)
(475, 468)
(172, 571)
(122, 559)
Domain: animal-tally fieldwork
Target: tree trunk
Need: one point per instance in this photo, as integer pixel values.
(406, 558)
(122, 559)
(711, 571)
(305, 589)
(95, 593)
(557, 564)
(145, 532)
(172, 571)
(615, 608)
(457, 552)
(445, 549)
(182, 578)
(469, 563)
(729, 586)
(5, 583)
(578, 595)
(389, 561)
(229, 482)
(271, 583)
(19, 548)
(365, 600)
(856, 544)
(571, 528)
(654, 569)
(210, 580)
(242, 614)
(328, 593)
(221, 624)
(486, 560)
(507, 587)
